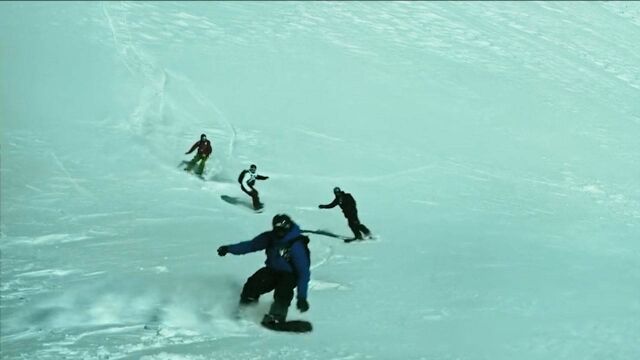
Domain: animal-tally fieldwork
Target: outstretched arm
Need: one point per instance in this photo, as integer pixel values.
(195, 146)
(258, 243)
(329, 205)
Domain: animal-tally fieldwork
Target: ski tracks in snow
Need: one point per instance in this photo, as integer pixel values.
(71, 179)
(150, 115)
(327, 253)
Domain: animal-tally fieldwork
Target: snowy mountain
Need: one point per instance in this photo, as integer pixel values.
(493, 148)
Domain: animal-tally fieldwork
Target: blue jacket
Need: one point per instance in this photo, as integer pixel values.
(298, 262)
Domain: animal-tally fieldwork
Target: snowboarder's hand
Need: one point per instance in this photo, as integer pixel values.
(320, 206)
(266, 177)
(302, 305)
(223, 250)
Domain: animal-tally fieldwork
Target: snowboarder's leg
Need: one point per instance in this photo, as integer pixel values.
(261, 282)
(244, 190)
(282, 297)
(365, 230)
(255, 199)
(354, 225)
(192, 163)
(200, 169)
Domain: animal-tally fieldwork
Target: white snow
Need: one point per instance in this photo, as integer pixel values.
(493, 149)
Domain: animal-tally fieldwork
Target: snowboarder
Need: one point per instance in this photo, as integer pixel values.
(250, 181)
(204, 150)
(287, 267)
(348, 205)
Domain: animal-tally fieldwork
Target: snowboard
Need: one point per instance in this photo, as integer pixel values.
(346, 239)
(233, 200)
(325, 233)
(295, 326)
(367, 237)
(251, 313)
(199, 176)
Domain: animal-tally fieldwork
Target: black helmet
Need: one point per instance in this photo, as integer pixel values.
(281, 223)
(337, 190)
(203, 136)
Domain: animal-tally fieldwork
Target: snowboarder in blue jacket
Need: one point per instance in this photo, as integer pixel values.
(286, 267)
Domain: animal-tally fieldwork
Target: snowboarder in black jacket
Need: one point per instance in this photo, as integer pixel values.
(250, 181)
(348, 205)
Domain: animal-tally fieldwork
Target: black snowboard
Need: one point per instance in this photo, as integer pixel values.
(368, 237)
(296, 326)
(325, 233)
(237, 201)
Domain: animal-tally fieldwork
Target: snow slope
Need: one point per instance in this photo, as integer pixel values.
(492, 147)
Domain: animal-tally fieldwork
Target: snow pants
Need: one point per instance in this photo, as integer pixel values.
(357, 227)
(202, 159)
(265, 280)
(255, 199)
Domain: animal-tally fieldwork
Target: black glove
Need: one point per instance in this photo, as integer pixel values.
(223, 250)
(320, 206)
(302, 305)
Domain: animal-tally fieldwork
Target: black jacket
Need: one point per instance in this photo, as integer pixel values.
(347, 204)
(204, 147)
(252, 177)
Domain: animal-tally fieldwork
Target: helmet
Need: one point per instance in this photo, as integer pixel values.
(337, 190)
(281, 224)
(203, 136)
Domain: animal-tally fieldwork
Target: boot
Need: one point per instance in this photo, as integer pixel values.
(247, 301)
(271, 319)
(277, 314)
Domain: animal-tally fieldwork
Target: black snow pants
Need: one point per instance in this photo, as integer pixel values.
(357, 227)
(255, 199)
(266, 280)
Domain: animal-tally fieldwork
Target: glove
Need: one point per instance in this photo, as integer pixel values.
(266, 177)
(320, 206)
(223, 250)
(302, 305)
